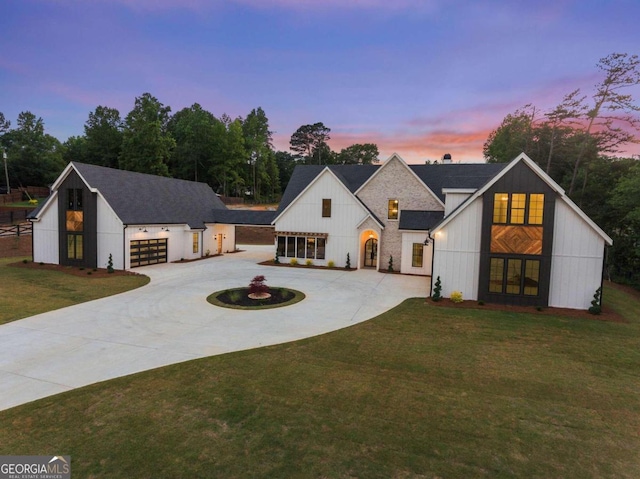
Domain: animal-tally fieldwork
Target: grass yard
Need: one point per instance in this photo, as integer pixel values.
(420, 391)
(26, 292)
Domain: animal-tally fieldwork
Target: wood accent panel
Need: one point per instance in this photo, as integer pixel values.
(509, 239)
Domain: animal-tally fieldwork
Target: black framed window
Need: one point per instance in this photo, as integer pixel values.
(518, 208)
(393, 209)
(514, 276)
(326, 208)
(417, 255)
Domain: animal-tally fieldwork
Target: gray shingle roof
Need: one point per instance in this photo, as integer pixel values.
(456, 175)
(139, 198)
(436, 177)
(419, 220)
(244, 217)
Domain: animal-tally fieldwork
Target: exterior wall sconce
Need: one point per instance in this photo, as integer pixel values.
(370, 235)
(165, 229)
(144, 230)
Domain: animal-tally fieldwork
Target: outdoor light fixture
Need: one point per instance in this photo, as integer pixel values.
(370, 235)
(165, 229)
(144, 230)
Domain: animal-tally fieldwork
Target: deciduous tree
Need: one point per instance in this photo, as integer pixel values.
(146, 145)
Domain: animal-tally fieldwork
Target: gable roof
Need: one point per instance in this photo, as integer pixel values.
(306, 175)
(523, 158)
(456, 175)
(397, 157)
(139, 198)
(353, 177)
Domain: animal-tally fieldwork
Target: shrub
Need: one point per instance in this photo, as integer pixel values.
(257, 285)
(390, 268)
(456, 296)
(25, 261)
(309, 262)
(207, 253)
(331, 264)
(234, 296)
(596, 302)
(81, 268)
(348, 264)
(293, 262)
(110, 264)
(437, 290)
(89, 272)
(276, 258)
(480, 303)
(539, 308)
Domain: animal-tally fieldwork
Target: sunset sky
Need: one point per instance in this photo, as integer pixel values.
(420, 78)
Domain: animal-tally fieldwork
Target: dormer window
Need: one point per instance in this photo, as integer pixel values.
(393, 210)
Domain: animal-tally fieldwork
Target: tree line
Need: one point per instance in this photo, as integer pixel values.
(576, 143)
(234, 156)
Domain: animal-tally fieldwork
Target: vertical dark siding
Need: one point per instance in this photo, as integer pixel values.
(521, 179)
(90, 209)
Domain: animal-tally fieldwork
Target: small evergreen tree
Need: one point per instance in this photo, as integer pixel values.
(437, 289)
(348, 265)
(390, 268)
(110, 264)
(596, 306)
(276, 260)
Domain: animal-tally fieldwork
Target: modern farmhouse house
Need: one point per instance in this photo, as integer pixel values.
(503, 233)
(94, 213)
(496, 232)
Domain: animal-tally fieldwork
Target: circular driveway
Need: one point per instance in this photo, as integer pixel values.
(169, 321)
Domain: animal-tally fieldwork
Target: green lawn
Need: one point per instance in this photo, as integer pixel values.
(25, 292)
(420, 391)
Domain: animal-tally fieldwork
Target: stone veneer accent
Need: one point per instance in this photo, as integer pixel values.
(394, 180)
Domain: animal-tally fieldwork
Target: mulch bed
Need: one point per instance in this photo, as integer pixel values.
(75, 271)
(278, 296)
(302, 265)
(606, 315)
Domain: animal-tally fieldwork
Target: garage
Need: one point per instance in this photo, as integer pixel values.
(149, 251)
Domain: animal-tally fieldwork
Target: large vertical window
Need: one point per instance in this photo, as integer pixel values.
(536, 208)
(500, 207)
(282, 245)
(311, 247)
(518, 206)
(321, 243)
(196, 242)
(393, 210)
(417, 255)
(74, 224)
(531, 277)
(496, 275)
(514, 276)
(326, 208)
(301, 247)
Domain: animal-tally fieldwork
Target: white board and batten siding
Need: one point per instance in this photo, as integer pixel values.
(576, 265)
(45, 249)
(210, 234)
(304, 215)
(109, 236)
(408, 240)
(454, 198)
(457, 252)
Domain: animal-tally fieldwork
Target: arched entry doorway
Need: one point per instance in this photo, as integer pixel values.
(371, 253)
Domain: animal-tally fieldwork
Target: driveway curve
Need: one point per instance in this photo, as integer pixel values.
(169, 321)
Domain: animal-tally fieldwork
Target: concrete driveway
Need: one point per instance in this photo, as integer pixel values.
(169, 321)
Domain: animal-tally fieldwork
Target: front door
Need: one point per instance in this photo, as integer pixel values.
(371, 253)
(220, 244)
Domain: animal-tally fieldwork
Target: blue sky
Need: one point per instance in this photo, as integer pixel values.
(421, 78)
